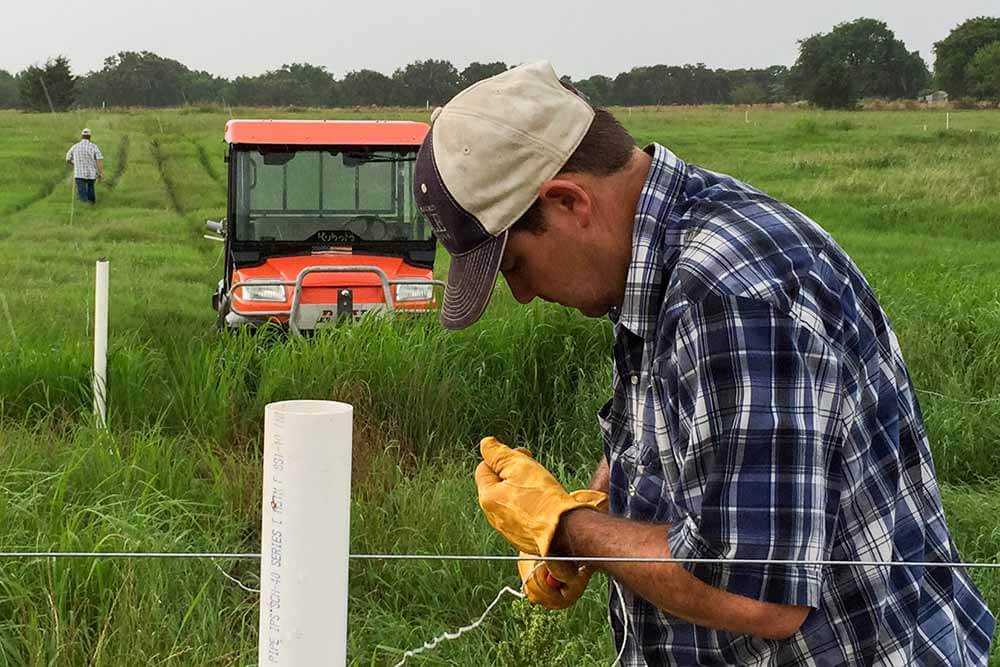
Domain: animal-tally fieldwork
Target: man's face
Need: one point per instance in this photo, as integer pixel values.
(562, 264)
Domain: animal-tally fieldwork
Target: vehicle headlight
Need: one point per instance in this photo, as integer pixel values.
(411, 292)
(263, 293)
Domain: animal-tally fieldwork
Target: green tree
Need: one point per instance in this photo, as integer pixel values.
(203, 87)
(775, 81)
(136, 79)
(367, 87)
(861, 58)
(299, 84)
(598, 88)
(50, 87)
(431, 82)
(982, 74)
(954, 53)
(479, 71)
(144, 79)
(8, 91)
(750, 92)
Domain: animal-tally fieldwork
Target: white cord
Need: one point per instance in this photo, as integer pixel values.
(236, 581)
(455, 635)
(621, 600)
(429, 645)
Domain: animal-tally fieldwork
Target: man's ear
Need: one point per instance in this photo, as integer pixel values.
(565, 197)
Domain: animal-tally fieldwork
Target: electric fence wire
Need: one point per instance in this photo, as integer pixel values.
(14, 555)
(433, 643)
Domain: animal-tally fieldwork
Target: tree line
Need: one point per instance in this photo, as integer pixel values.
(855, 60)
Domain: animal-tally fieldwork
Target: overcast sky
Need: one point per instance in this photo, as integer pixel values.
(233, 37)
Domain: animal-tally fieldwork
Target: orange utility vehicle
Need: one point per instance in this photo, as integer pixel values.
(321, 223)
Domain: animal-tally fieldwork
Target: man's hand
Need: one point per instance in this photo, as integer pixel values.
(558, 584)
(521, 499)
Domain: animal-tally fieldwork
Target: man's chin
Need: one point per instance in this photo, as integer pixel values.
(594, 310)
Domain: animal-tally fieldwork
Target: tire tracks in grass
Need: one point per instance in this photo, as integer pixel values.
(206, 163)
(121, 163)
(48, 187)
(159, 159)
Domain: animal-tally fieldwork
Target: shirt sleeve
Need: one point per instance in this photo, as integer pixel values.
(758, 430)
(69, 154)
(98, 155)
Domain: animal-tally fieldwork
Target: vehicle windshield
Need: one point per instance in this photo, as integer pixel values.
(327, 197)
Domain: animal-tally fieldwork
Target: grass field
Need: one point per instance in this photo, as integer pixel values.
(916, 206)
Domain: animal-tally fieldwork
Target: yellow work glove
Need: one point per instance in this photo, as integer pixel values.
(558, 584)
(521, 499)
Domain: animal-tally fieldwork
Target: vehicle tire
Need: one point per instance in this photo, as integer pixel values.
(223, 310)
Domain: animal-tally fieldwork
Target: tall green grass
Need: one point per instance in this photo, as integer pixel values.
(179, 467)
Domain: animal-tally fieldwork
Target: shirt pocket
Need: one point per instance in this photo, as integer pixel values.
(644, 481)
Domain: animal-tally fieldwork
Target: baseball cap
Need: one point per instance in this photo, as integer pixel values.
(480, 167)
(85, 132)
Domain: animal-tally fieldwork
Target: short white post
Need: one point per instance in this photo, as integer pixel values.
(101, 342)
(947, 120)
(746, 116)
(305, 534)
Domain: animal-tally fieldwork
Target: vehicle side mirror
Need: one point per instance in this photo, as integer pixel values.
(215, 226)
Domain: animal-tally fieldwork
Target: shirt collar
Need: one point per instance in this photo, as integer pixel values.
(651, 227)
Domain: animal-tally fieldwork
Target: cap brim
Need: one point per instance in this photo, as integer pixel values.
(470, 283)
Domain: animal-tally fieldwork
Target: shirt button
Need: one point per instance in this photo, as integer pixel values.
(635, 379)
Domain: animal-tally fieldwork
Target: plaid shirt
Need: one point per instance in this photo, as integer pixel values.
(84, 156)
(763, 409)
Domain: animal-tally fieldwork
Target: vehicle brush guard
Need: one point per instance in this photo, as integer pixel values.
(297, 284)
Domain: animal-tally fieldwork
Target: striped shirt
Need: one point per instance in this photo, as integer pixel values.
(84, 156)
(763, 409)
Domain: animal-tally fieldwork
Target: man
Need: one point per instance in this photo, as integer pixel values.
(88, 166)
(761, 408)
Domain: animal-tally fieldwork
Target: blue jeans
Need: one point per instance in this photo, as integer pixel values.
(85, 189)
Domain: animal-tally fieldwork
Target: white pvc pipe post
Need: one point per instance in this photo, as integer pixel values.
(305, 533)
(101, 343)
(947, 120)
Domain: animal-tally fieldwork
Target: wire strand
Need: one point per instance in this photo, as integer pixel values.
(249, 589)
(428, 645)
(11, 555)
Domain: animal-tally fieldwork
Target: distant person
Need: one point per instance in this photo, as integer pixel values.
(761, 409)
(88, 166)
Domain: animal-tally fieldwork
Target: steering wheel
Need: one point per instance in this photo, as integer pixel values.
(369, 227)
